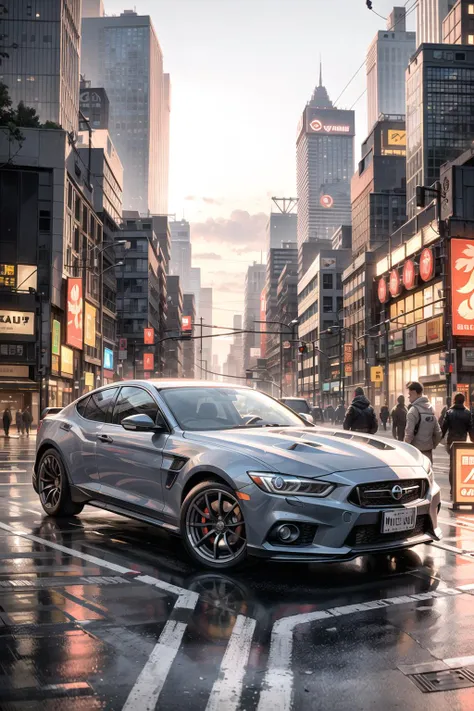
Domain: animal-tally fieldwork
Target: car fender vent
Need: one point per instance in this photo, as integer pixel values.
(303, 446)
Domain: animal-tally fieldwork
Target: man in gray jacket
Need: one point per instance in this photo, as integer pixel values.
(422, 429)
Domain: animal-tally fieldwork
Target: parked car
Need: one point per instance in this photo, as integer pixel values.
(300, 406)
(234, 473)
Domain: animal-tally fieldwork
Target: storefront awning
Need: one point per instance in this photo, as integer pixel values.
(18, 384)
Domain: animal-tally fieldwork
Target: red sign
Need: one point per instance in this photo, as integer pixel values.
(427, 264)
(348, 348)
(148, 361)
(394, 282)
(462, 287)
(382, 291)
(122, 344)
(186, 323)
(149, 335)
(409, 274)
(326, 201)
(75, 307)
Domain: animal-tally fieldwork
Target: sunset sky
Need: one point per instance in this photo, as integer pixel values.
(241, 74)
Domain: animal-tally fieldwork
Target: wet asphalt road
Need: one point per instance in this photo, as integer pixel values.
(101, 612)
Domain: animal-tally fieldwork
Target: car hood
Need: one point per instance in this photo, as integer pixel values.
(309, 452)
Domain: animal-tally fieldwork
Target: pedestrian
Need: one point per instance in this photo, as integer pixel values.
(331, 414)
(422, 428)
(384, 415)
(444, 411)
(340, 413)
(399, 419)
(19, 422)
(360, 415)
(458, 424)
(7, 420)
(27, 420)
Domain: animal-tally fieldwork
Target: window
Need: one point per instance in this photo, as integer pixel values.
(470, 39)
(327, 281)
(98, 405)
(327, 304)
(81, 406)
(470, 8)
(134, 401)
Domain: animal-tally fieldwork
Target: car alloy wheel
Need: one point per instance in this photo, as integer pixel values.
(50, 482)
(214, 526)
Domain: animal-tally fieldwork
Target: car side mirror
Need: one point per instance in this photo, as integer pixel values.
(141, 423)
(308, 418)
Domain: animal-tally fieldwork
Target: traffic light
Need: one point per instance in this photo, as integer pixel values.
(369, 4)
(303, 348)
(420, 196)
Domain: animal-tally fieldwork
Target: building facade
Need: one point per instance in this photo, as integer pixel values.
(180, 264)
(458, 25)
(42, 67)
(122, 54)
(429, 20)
(282, 225)
(387, 59)
(439, 122)
(174, 347)
(254, 284)
(325, 163)
(206, 314)
(94, 105)
(287, 312)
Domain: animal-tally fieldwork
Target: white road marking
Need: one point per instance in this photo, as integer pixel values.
(454, 523)
(467, 587)
(277, 691)
(13, 471)
(227, 688)
(150, 682)
(23, 483)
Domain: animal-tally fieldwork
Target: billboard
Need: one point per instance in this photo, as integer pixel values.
(56, 338)
(329, 122)
(148, 361)
(17, 323)
(90, 313)
(67, 360)
(462, 456)
(186, 323)
(462, 287)
(74, 328)
(108, 359)
(148, 336)
(394, 142)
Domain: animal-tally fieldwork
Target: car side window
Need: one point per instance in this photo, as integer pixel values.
(99, 404)
(134, 401)
(81, 406)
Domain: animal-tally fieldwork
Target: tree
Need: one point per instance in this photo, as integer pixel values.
(26, 117)
(23, 116)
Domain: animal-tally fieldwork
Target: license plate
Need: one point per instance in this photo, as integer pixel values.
(400, 520)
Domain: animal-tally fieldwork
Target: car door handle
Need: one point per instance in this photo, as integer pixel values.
(104, 438)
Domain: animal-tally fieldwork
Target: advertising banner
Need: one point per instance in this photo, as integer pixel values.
(148, 336)
(376, 374)
(434, 330)
(7, 276)
(108, 359)
(17, 323)
(186, 323)
(74, 328)
(56, 338)
(462, 287)
(410, 338)
(462, 462)
(90, 313)
(148, 361)
(348, 348)
(67, 360)
(89, 379)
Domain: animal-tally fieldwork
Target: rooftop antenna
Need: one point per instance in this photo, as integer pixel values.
(320, 71)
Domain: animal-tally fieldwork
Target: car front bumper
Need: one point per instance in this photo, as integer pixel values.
(342, 530)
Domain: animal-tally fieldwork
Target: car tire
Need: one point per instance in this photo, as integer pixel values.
(212, 526)
(53, 486)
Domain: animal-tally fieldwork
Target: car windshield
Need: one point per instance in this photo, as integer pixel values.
(297, 405)
(226, 408)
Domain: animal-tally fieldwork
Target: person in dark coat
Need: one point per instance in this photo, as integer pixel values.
(399, 419)
(384, 415)
(458, 425)
(444, 411)
(7, 420)
(27, 420)
(360, 415)
(340, 413)
(19, 422)
(331, 414)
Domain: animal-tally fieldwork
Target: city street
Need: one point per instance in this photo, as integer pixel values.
(101, 612)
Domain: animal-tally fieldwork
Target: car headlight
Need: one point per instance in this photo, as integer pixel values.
(290, 485)
(428, 467)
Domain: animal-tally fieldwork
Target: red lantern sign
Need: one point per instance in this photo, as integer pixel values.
(382, 290)
(394, 282)
(326, 201)
(427, 264)
(186, 323)
(409, 274)
(148, 361)
(149, 335)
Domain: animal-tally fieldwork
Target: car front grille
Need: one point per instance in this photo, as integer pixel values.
(371, 535)
(379, 493)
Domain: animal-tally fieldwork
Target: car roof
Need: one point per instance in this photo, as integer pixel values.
(162, 383)
(303, 399)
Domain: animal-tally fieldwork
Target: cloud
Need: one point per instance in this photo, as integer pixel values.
(241, 231)
(206, 200)
(207, 255)
(229, 285)
(191, 198)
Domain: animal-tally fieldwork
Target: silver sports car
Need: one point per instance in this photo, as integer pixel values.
(234, 473)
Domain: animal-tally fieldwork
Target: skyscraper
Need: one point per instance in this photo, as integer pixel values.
(180, 263)
(205, 312)
(458, 25)
(254, 283)
(429, 20)
(282, 224)
(325, 163)
(439, 122)
(123, 55)
(42, 68)
(386, 63)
